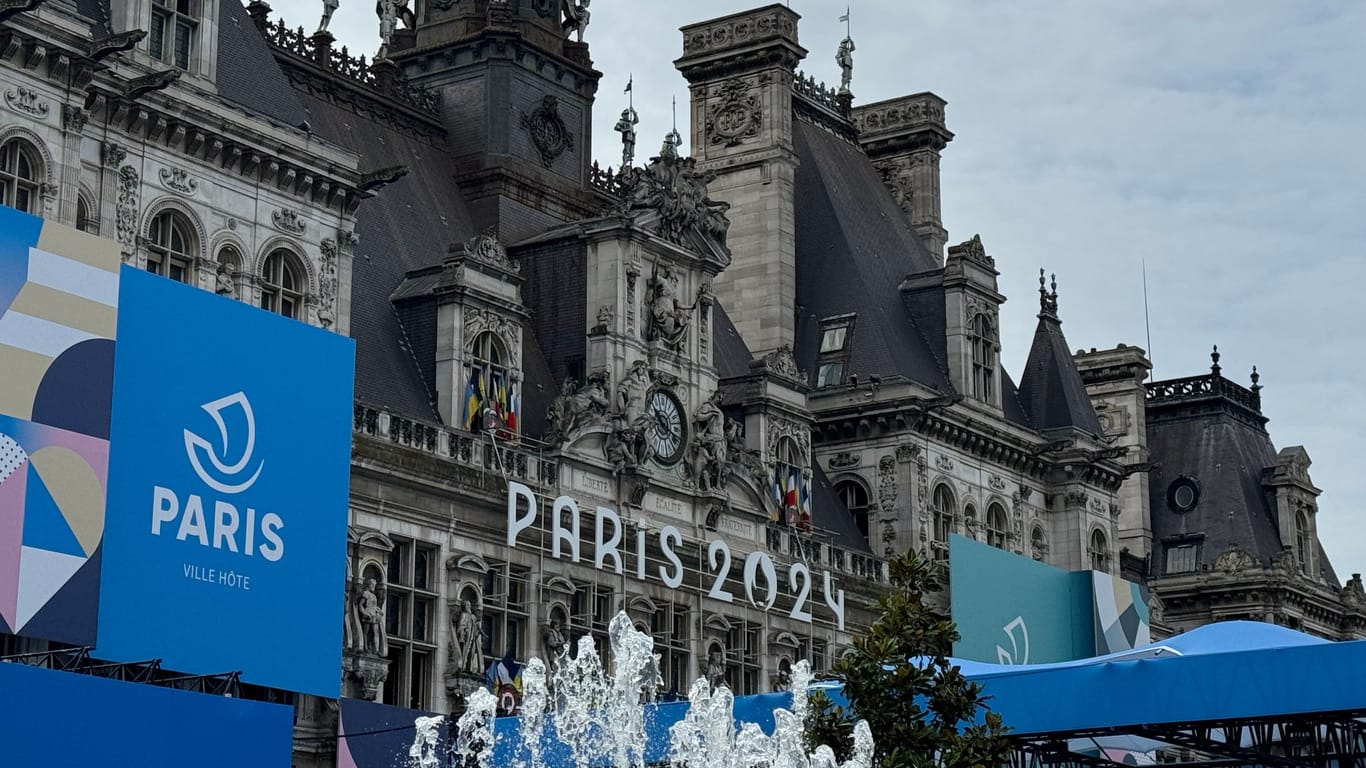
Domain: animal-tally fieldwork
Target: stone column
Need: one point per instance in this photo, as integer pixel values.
(73, 122)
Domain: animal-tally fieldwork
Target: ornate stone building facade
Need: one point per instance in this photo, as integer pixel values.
(704, 390)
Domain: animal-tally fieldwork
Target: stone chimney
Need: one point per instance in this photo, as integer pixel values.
(903, 137)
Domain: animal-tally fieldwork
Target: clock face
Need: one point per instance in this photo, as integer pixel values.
(664, 427)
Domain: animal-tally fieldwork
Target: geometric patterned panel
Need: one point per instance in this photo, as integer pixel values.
(58, 316)
(1121, 614)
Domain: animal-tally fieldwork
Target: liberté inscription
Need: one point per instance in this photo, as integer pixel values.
(759, 572)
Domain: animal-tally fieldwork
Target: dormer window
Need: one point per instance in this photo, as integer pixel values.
(982, 340)
(1302, 540)
(171, 38)
(833, 357)
(490, 394)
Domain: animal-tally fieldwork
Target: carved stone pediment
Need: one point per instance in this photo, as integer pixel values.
(668, 197)
(486, 249)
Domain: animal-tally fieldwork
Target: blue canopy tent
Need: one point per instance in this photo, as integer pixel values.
(1239, 693)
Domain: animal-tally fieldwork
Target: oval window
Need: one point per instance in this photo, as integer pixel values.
(1183, 494)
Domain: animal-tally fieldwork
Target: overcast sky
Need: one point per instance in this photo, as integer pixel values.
(1220, 141)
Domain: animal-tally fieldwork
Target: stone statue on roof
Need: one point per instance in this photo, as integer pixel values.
(576, 17)
(626, 126)
(329, 6)
(845, 58)
(388, 21)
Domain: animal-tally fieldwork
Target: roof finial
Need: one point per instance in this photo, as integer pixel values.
(1048, 301)
(1214, 356)
(1256, 377)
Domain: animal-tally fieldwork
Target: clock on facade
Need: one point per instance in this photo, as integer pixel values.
(664, 427)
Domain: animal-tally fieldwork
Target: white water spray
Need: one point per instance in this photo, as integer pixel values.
(601, 717)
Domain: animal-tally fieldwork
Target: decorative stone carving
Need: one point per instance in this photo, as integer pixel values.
(24, 100)
(922, 493)
(1076, 498)
(908, 111)
(704, 301)
(467, 640)
(626, 126)
(507, 329)
(944, 463)
(779, 428)
(577, 407)
(486, 249)
(716, 668)
(672, 191)
(179, 180)
(548, 131)
(707, 459)
(370, 607)
(632, 274)
(743, 460)
(112, 154)
(74, 118)
(907, 452)
(576, 16)
(725, 33)
(554, 641)
(126, 211)
(371, 672)
(735, 115)
(886, 498)
(288, 220)
(605, 317)
(1353, 593)
(995, 482)
(1156, 609)
(844, 57)
(327, 283)
(1098, 505)
(666, 318)
(896, 175)
(1234, 561)
(627, 447)
(844, 460)
(782, 363)
(223, 281)
(972, 250)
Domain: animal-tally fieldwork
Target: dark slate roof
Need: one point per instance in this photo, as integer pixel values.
(247, 74)
(829, 514)
(98, 13)
(406, 226)
(1011, 403)
(1225, 454)
(729, 352)
(854, 246)
(1051, 391)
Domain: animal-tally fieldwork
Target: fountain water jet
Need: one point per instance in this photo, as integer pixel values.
(601, 718)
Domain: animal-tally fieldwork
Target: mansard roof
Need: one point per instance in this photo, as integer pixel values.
(247, 73)
(729, 352)
(854, 246)
(1211, 430)
(1051, 389)
(829, 514)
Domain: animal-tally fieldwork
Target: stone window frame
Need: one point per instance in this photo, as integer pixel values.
(411, 581)
(1038, 542)
(943, 516)
(1098, 550)
(669, 627)
(982, 343)
(832, 365)
(165, 20)
(862, 513)
(997, 525)
(505, 619)
(483, 353)
(161, 251)
(273, 290)
(1304, 539)
(26, 148)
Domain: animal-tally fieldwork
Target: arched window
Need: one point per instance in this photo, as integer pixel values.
(982, 339)
(1302, 540)
(790, 488)
(489, 389)
(1038, 542)
(1099, 551)
(855, 498)
(997, 526)
(20, 170)
(84, 222)
(944, 508)
(282, 284)
(171, 246)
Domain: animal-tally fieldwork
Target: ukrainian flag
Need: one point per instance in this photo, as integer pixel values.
(474, 399)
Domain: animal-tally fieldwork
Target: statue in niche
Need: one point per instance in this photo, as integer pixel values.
(576, 17)
(329, 7)
(372, 620)
(577, 406)
(844, 57)
(626, 126)
(709, 444)
(741, 457)
(555, 641)
(667, 317)
(223, 281)
(716, 669)
(466, 651)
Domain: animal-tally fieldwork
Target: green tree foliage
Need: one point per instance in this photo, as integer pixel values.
(919, 707)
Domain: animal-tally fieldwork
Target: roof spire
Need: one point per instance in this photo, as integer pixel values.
(1048, 301)
(1214, 357)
